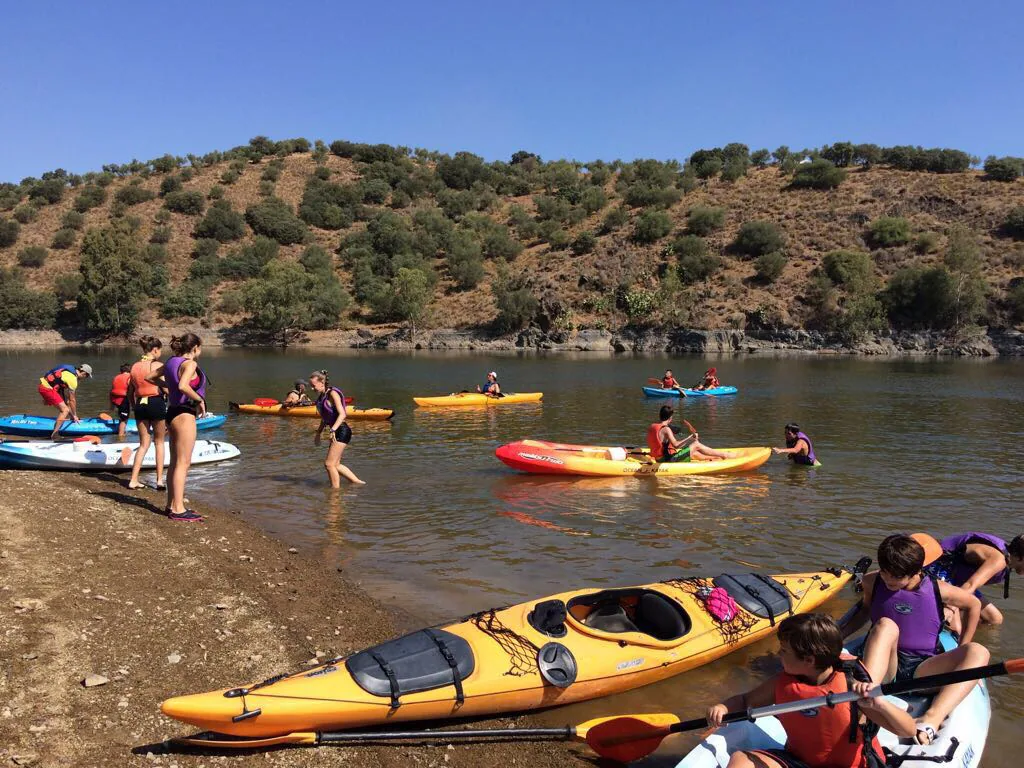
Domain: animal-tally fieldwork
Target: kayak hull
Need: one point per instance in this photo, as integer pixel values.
(501, 649)
(476, 398)
(968, 724)
(104, 457)
(26, 425)
(309, 411)
(544, 458)
(687, 392)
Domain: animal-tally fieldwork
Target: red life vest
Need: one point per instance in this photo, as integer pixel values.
(827, 737)
(654, 440)
(53, 377)
(668, 382)
(119, 387)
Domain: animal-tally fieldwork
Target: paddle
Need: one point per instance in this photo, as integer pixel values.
(623, 738)
(658, 383)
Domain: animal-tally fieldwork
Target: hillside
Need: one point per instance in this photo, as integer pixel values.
(562, 246)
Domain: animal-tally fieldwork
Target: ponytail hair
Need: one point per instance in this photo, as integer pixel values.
(1016, 547)
(321, 375)
(185, 343)
(150, 342)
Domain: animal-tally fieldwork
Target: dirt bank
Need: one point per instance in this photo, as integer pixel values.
(94, 581)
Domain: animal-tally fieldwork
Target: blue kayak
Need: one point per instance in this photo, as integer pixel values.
(684, 392)
(42, 426)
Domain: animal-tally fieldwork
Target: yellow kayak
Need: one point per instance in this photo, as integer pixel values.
(544, 458)
(352, 413)
(476, 398)
(569, 647)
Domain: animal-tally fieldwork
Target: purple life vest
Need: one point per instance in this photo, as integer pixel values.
(960, 570)
(172, 371)
(810, 458)
(917, 613)
(325, 406)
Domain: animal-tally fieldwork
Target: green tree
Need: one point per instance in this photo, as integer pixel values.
(274, 218)
(190, 299)
(170, 184)
(21, 307)
(770, 266)
(499, 244)
(1004, 168)
(63, 239)
(1013, 224)
(114, 280)
(651, 226)
(840, 154)
(32, 256)
(760, 157)
(920, 298)
(963, 260)
(287, 297)
(72, 220)
(9, 231)
(703, 220)
(615, 219)
(818, 174)
(853, 270)
(221, 223)
(91, 196)
(593, 199)
(465, 260)
(515, 302)
(133, 194)
(25, 214)
(756, 238)
(585, 242)
(406, 296)
(189, 202)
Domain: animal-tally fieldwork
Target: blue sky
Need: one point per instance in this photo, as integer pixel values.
(83, 84)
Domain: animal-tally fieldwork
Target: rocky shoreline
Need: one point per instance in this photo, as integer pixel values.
(982, 343)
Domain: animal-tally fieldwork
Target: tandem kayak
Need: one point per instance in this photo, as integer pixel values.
(85, 457)
(685, 392)
(960, 740)
(353, 414)
(476, 398)
(42, 426)
(561, 649)
(544, 458)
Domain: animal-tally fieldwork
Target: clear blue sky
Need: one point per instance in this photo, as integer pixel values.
(82, 84)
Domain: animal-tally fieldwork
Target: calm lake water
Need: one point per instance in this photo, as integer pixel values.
(442, 528)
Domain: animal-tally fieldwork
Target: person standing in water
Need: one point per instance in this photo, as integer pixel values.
(57, 388)
(798, 446)
(186, 401)
(150, 408)
(119, 401)
(330, 404)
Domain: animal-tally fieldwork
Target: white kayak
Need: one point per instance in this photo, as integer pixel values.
(960, 741)
(87, 456)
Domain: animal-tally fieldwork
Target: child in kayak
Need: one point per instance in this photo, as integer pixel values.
(490, 387)
(811, 652)
(331, 406)
(119, 399)
(905, 607)
(798, 446)
(667, 447)
(710, 380)
(57, 388)
(973, 560)
(297, 396)
(668, 381)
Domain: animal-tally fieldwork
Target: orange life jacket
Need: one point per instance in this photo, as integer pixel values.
(139, 373)
(829, 737)
(654, 440)
(119, 387)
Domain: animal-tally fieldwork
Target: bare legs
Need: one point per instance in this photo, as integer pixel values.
(701, 452)
(62, 416)
(149, 432)
(335, 469)
(183, 439)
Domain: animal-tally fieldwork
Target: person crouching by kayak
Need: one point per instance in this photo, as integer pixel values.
(666, 447)
(668, 381)
(973, 560)
(297, 396)
(330, 404)
(119, 399)
(57, 388)
(813, 665)
(710, 380)
(186, 401)
(904, 604)
(490, 387)
(798, 446)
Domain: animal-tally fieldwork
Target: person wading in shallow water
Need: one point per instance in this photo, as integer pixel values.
(330, 404)
(798, 446)
(186, 401)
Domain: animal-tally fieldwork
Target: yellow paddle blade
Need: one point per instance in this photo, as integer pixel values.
(212, 740)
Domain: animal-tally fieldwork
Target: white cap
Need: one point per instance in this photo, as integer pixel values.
(492, 373)
(86, 368)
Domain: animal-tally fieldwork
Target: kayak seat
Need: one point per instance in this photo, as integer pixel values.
(421, 661)
(760, 595)
(548, 618)
(633, 610)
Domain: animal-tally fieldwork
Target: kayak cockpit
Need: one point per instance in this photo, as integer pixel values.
(631, 610)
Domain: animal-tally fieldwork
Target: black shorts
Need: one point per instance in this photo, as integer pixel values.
(176, 410)
(343, 434)
(124, 410)
(154, 409)
(907, 664)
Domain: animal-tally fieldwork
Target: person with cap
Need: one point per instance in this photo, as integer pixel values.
(57, 388)
(490, 387)
(297, 396)
(710, 380)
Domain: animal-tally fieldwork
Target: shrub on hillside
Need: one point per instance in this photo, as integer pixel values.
(133, 194)
(329, 206)
(735, 168)
(516, 306)
(66, 286)
(205, 248)
(32, 256)
(639, 305)
(551, 208)
(818, 174)
(432, 232)
(374, 191)
(24, 214)
(190, 299)
(48, 191)
(205, 268)
(249, 260)
(522, 222)
(756, 238)
(1004, 168)
(165, 164)
(1013, 224)
(920, 298)
(266, 189)
(554, 235)
(651, 226)
(499, 244)
(760, 157)
(853, 270)
(585, 242)
(703, 220)
(593, 199)
(90, 197)
(9, 231)
(170, 184)
(615, 219)
(189, 202)
(1015, 300)
(404, 297)
(463, 170)
(72, 220)
(230, 176)
(400, 199)
(271, 173)
(114, 280)
(770, 266)
(221, 223)
(155, 253)
(926, 242)
(316, 259)
(63, 239)
(216, 192)
(889, 231)
(161, 235)
(456, 204)
(465, 261)
(21, 307)
(322, 172)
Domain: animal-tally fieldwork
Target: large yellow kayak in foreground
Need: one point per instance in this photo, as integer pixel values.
(565, 648)
(544, 458)
(351, 412)
(476, 398)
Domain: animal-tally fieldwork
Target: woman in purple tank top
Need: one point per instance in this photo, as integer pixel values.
(330, 404)
(905, 607)
(799, 447)
(973, 560)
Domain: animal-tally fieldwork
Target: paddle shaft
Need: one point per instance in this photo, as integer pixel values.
(562, 734)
